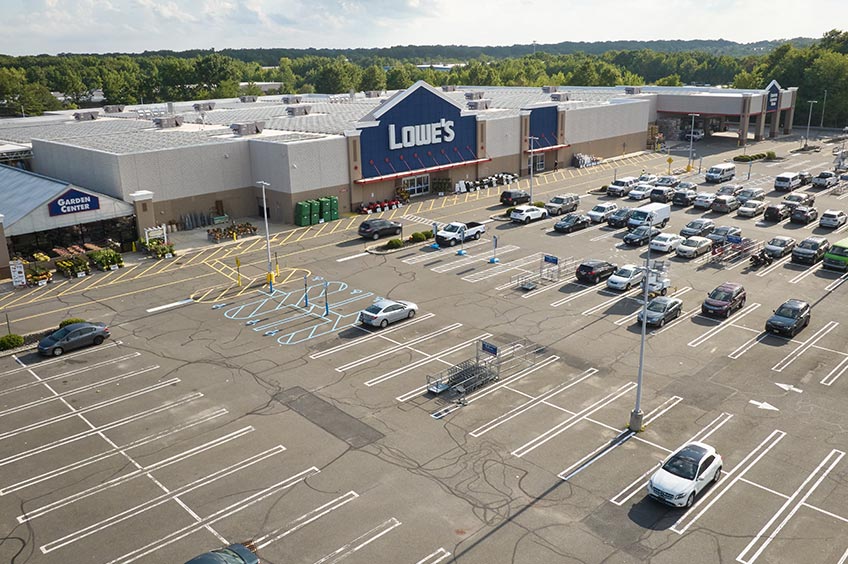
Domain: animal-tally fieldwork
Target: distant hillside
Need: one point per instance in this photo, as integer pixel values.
(456, 53)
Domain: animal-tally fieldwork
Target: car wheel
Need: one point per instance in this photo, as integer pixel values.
(384, 323)
(717, 475)
(596, 279)
(411, 314)
(375, 236)
(98, 340)
(627, 287)
(664, 291)
(691, 501)
(742, 303)
(662, 322)
(453, 243)
(526, 220)
(58, 351)
(397, 231)
(677, 314)
(476, 235)
(728, 312)
(544, 215)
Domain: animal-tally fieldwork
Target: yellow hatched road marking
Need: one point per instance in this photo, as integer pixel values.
(100, 279)
(432, 203)
(127, 271)
(26, 295)
(302, 235)
(322, 228)
(73, 286)
(289, 236)
(56, 286)
(215, 252)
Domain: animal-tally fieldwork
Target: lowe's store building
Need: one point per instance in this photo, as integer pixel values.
(160, 164)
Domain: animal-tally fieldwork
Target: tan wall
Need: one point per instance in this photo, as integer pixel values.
(605, 148)
(237, 203)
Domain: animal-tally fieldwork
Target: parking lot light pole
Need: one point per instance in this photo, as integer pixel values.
(532, 163)
(267, 236)
(691, 138)
(637, 415)
(809, 118)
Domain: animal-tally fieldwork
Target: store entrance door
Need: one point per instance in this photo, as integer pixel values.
(417, 185)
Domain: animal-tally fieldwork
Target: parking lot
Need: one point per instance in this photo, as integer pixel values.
(275, 416)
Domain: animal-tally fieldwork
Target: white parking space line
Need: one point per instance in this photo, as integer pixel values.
(480, 395)
(794, 355)
(618, 298)
(111, 452)
(803, 274)
(604, 236)
(834, 374)
(85, 388)
(722, 326)
(625, 435)
(836, 283)
(538, 441)
(550, 286)
(505, 267)
(141, 471)
(824, 512)
(92, 407)
(775, 266)
(392, 350)
(65, 375)
(305, 519)
(844, 558)
(351, 257)
(718, 490)
(627, 319)
(371, 336)
(145, 506)
(360, 542)
(748, 345)
(770, 530)
(686, 315)
(578, 294)
(422, 361)
(69, 356)
(424, 220)
(443, 252)
(595, 227)
(469, 260)
(497, 421)
(641, 482)
(435, 557)
(228, 511)
(99, 430)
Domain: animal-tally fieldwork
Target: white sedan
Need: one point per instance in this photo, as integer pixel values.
(625, 277)
(694, 247)
(526, 214)
(752, 208)
(385, 311)
(666, 242)
(704, 200)
(685, 474)
(641, 191)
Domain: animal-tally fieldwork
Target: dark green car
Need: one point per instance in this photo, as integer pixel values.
(238, 553)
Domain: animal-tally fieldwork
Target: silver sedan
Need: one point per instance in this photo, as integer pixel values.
(385, 311)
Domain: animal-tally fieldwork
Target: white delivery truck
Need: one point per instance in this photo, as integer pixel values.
(656, 214)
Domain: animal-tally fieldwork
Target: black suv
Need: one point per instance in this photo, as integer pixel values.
(620, 217)
(376, 228)
(514, 197)
(684, 197)
(595, 270)
(789, 318)
(806, 178)
(810, 250)
(724, 299)
(777, 212)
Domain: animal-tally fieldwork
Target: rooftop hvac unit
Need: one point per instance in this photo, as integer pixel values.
(291, 99)
(549, 89)
(248, 128)
(559, 96)
(204, 106)
(481, 104)
(373, 93)
(247, 99)
(167, 122)
(86, 116)
(449, 88)
(632, 90)
(113, 108)
(474, 95)
(299, 110)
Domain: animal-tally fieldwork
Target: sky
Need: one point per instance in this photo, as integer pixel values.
(30, 27)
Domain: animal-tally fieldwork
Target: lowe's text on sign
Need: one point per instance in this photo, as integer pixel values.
(73, 201)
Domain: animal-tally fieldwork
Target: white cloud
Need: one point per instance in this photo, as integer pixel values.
(38, 26)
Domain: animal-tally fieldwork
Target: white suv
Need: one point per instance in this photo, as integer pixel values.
(526, 214)
(601, 212)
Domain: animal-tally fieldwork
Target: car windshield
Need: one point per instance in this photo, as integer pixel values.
(813, 245)
(778, 242)
(793, 198)
(621, 212)
(691, 243)
(641, 230)
(681, 466)
(839, 251)
(657, 307)
(721, 295)
(624, 272)
(786, 311)
(722, 231)
(61, 333)
(747, 193)
(662, 238)
(451, 228)
(599, 208)
(568, 219)
(374, 308)
(829, 216)
(695, 224)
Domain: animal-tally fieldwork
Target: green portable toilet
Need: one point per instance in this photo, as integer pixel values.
(302, 214)
(325, 208)
(314, 212)
(334, 207)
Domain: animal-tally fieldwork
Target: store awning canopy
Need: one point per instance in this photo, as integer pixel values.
(546, 149)
(418, 171)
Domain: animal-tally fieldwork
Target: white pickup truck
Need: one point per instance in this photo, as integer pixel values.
(825, 179)
(456, 232)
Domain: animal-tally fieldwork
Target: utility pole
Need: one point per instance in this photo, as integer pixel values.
(532, 165)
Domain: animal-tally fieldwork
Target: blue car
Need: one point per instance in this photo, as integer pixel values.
(238, 553)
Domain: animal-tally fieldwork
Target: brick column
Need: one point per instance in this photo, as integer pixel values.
(145, 215)
(790, 112)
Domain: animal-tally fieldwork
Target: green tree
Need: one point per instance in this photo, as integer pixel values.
(670, 80)
(748, 80)
(373, 78)
(287, 76)
(397, 77)
(212, 70)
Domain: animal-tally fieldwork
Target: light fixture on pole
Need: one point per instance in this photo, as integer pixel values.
(532, 164)
(267, 236)
(824, 103)
(809, 117)
(691, 138)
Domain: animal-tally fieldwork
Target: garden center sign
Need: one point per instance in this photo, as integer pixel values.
(73, 201)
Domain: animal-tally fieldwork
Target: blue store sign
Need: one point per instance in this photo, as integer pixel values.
(73, 201)
(772, 96)
(543, 126)
(420, 129)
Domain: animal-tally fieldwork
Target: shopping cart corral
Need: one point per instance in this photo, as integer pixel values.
(551, 269)
(491, 363)
(733, 252)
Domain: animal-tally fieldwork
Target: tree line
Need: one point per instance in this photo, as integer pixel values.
(26, 82)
